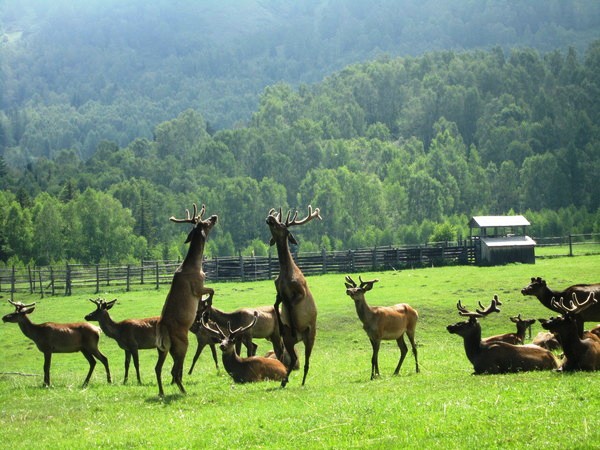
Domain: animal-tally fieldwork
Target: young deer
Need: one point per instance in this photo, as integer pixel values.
(517, 338)
(50, 337)
(497, 357)
(204, 338)
(181, 304)
(580, 353)
(384, 323)
(298, 316)
(131, 334)
(244, 370)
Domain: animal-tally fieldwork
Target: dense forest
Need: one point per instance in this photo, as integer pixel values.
(393, 149)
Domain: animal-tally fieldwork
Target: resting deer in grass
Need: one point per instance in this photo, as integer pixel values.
(517, 338)
(384, 323)
(266, 326)
(181, 304)
(131, 334)
(497, 357)
(244, 370)
(298, 316)
(50, 337)
(580, 354)
(539, 289)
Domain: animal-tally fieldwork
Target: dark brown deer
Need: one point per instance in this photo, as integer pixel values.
(384, 323)
(131, 334)
(244, 370)
(266, 326)
(181, 304)
(580, 354)
(50, 337)
(298, 316)
(517, 338)
(497, 357)
(539, 289)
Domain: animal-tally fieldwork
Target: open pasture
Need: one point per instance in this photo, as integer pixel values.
(444, 406)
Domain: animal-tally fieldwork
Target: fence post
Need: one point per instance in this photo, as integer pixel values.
(142, 271)
(52, 280)
(324, 261)
(68, 280)
(31, 281)
(269, 271)
(13, 282)
(570, 244)
(157, 277)
(128, 275)
(97, 279)
(41, 285)
(374, 259)
(241, 264)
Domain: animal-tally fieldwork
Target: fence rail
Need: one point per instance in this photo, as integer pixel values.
(63, 280)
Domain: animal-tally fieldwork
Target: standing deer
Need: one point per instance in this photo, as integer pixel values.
(204, 338)
(539, 289)
(580, 353)
(244, 370)
(497, 357)
(517, 338)
(298, 316)
(50, 337)
(181, 304)
(384, 323)
(131, 334)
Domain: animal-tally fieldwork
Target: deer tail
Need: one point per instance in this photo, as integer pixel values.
(163, 341)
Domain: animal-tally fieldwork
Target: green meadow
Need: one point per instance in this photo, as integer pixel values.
(444, 406)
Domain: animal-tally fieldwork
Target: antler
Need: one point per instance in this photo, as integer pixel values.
(194, 218)
(576, 307)
(204, 324)
(242, 329)
(465, 312)
(311, 215)
(490, 309)
(350, 281)
(367, 283)
(19, 305)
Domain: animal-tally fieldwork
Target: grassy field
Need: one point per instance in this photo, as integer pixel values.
(444, 406)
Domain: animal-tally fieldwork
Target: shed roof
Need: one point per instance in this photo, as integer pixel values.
(498, 221)
(512, 241)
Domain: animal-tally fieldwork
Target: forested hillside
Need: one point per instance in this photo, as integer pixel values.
(75, 73)
(394, 150)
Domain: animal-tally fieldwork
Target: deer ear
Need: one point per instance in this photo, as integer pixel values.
(189, 236)
(272, 242)
(292, 239)
(28, 310)
(111, 304)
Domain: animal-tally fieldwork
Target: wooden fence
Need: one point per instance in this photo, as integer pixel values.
(64, 280)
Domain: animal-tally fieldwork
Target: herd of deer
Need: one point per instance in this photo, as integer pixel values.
(292, 318)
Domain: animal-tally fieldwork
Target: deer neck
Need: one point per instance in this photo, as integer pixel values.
(232, 363)
(286, 262)
(546, 296)
(472, 342)
(108, 325)
(364, 311)
(28, 328)
(195, 253)
(571, 342)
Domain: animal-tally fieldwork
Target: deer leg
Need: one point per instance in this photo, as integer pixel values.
(196, 356)
(136, 364)
(47, 362)
(278, 314)
(309, 340)
(104, 360)
(411, 338)
(374, 361)
(289, 342)
(403, 350)
(213, 350)
(92, 362)
(178, 355)
(162, 355)
(127, 360)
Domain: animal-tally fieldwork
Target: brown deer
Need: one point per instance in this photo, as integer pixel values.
(517, 338)
(181, 304)
(580, 354)
(266, 326)
(244, 370)
(547, 340)
(539, 289)
(131, 334)
(204, 338)
(497, 357)
(50, 337)
(298, 316)
(384, 323)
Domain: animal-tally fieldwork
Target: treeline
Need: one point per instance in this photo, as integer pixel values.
(393, 151)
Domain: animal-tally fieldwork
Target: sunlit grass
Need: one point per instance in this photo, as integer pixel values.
(442, 407)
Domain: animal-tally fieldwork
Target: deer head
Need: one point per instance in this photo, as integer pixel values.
(227, 340)
(280, 230)
(201, 226)
(101, 305)
(536, 286)
(20, 310)
(352, 289)
(467, 327)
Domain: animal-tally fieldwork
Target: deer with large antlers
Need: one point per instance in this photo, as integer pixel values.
(384, 323)
(50, 337)
(580, 353)
(298, 316)
(497, 357)
(131, 334)
(181, 304)
(244, 370)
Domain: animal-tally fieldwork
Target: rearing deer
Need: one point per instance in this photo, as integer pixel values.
(181, 304)
(384, 323)
(298, 316)
(51, 337)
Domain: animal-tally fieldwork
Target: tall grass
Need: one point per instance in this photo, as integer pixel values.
(444, 406)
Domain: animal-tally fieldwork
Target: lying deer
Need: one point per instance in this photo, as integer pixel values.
(50, 337)
(497, 357)
(384, 323)
(131, 334)
(580, 353)
(244, 370)
(517, 338)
